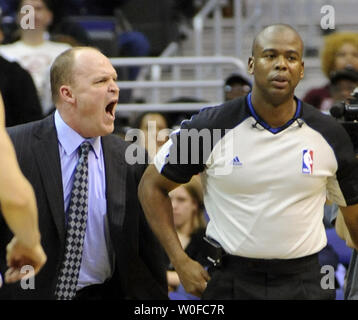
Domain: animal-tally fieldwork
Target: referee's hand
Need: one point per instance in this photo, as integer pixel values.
(193, 276)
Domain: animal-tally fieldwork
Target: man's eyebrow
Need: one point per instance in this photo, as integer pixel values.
(293, 52)
(107, 75)
(269, 49)
(275, 50)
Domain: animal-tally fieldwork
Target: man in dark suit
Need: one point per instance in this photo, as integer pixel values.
(19, 108)
(120, 258)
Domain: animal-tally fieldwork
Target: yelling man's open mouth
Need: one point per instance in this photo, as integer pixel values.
(111, 108)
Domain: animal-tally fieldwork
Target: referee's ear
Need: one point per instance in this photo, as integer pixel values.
(302, 73)
(251, 65)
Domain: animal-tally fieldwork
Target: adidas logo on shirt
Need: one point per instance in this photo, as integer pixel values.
(236, 161)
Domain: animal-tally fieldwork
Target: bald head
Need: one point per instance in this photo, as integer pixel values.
(62, 69)
(278, 31)
(85, 84)
(276, 64)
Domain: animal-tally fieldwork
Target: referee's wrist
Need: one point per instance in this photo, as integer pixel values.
(179, 259)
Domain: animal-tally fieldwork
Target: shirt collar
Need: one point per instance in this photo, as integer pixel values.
(70, 140)
(267, 126)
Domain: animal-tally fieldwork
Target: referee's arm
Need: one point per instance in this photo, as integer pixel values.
(153, 195)
(350, 215)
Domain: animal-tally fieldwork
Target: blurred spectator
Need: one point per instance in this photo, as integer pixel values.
(60, 31)
(89, 7)
(184, 12)
(177, 117)
(237, 85)
(19, 108)
(5, 6)
(155, 19)
(8, 23)
(130, 42)
(19, 94)
(190, 224)
(185, 8)
(342, 84)
(351, 280)
(33, 51)
(339, 52)
(155, 128)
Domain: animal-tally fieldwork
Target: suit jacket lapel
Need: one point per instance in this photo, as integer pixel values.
(47, 155)
(116, 173)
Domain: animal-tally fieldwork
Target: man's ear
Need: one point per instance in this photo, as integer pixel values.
(66, 94)
(251, 65)
(303, 70)
(49, 17)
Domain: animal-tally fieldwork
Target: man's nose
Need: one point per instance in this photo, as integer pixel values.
(113, 87)
(174, 204)
(281, 63)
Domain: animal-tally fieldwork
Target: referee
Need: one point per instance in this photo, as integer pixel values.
(268, 161)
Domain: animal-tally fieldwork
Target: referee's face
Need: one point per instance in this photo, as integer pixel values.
(277, 64)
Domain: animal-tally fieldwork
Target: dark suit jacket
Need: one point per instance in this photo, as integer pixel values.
(19, 93)
(139, 268)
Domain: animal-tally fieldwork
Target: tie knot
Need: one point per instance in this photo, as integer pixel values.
(84, 149)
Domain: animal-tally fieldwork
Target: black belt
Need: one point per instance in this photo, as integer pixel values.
(285, 266)
(93, 292)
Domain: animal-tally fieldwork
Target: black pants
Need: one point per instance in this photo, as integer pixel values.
(241, 278)
(104, 291)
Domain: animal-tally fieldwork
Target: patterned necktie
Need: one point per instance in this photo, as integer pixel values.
(76, 228)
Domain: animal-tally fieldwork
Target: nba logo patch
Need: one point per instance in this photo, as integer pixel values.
(307, 161)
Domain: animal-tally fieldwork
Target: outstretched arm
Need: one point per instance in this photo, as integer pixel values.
(153, 195)
(347, 225)
(18, 205)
